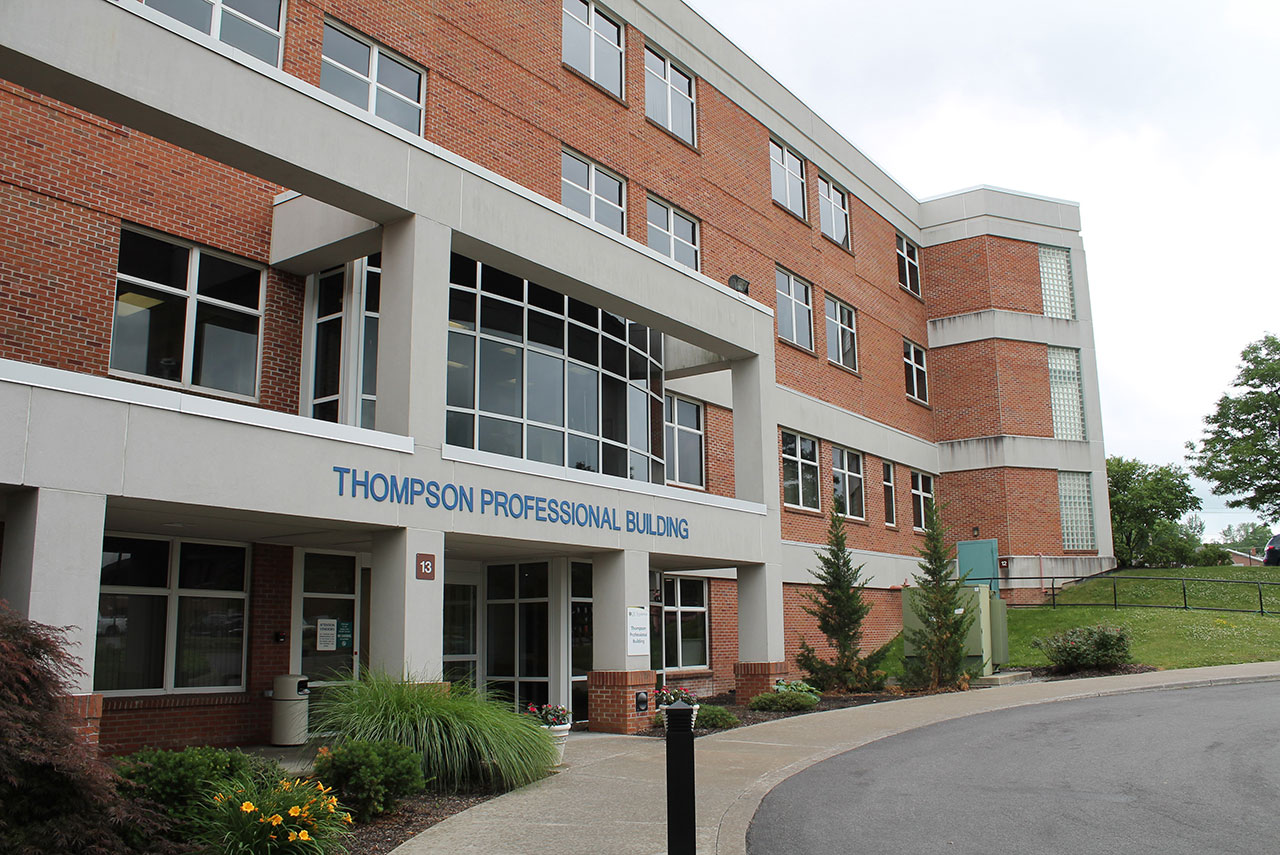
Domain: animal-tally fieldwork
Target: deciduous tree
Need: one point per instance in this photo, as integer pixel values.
(1142, 495)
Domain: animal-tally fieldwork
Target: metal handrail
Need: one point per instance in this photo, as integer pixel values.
(1115, 591)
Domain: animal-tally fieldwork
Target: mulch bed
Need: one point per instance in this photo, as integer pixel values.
(1049, 674)
(750, 716)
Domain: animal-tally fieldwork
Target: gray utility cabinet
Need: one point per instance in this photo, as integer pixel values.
(988, 639)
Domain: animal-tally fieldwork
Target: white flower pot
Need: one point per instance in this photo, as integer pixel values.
(559, 736)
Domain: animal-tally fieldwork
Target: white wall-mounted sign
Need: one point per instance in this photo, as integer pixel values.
(327, 634)
(637, 631)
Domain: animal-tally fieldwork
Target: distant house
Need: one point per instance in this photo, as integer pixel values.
(1245, 559)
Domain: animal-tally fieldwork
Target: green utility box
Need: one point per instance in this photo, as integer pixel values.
(988, 639)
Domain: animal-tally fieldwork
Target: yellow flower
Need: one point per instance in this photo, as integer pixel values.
(276, 820)
(302, 835)
(295, 810)
(293, 835)
(346, 817)
(248, 807)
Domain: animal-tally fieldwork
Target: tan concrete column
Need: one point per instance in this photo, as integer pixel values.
(405, 611)
(52, 565)
(620, 581)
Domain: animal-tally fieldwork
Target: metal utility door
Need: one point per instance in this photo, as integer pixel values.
(978, 558)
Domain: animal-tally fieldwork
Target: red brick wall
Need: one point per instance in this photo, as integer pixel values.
(243, 718)
(991, 387)
(1018, 507)
(983, 273)
(718, 449)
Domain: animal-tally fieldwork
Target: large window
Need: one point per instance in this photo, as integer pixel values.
(786, 173)
(343, 314)
(1075, 498)
(1055, 283)
(842, 334)
(171, 615)
(678, 622)
(917, 376)
(668, 95)
(684, 432)
(186, 316)
(795, 313)
(517, 652)
(846, 478)
(593, 44)
(534, 374)
(833, 212)
(367, 75)
(1066, 393)
(890, 495)
(908, 265)
(921, 498)
(253, 26)
(800, 471)
(592, 191)
(673, 233)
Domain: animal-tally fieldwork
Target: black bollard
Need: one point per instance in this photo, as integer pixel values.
(681, 822)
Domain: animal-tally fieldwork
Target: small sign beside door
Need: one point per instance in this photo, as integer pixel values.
(424, 566)
(326, 634)
(637, 631)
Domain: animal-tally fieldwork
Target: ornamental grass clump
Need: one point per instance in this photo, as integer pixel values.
(253, 814)
(1101, 647)
(466, 740)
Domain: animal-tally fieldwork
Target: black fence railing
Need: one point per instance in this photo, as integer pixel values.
(1237, 596)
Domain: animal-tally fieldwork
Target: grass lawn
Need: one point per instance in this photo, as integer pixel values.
(1166, 638)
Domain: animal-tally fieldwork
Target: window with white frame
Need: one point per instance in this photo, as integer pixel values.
(921, 498)
(592, 191)
(253, 26)
(673, 233)
(1075, 498)
(833, 211)
(795, 313)
(533, 374)
(186, 316)
(370, 77)
(842, 334)
(593, 44)
(786, 172)
(1056, 286)
(342, 316)
(678, 624)
(846, 477)
(913, 358)
(800, 471)
(908, 265)
(684, 434)
(1066, 393)
(668, 95)
(171, 615)
(890, 495)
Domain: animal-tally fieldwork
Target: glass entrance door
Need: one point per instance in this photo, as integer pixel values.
(329, 594)
(461, 644)
(517, 660)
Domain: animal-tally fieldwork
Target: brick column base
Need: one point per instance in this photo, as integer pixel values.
(756, 677)
(611, 701)
(86, 713)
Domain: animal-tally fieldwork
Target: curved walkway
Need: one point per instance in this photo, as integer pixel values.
(610, 796)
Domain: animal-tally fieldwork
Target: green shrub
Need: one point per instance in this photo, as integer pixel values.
(783, 702)
(712, 716)
(466, 741)
(177, 780)
(1101, 647)
(1212, 555)
(371, 777)
(255, 813)
(796, 686)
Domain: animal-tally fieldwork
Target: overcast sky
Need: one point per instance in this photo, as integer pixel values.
(1161, 118)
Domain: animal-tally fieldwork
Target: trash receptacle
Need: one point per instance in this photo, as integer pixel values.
(289, 703)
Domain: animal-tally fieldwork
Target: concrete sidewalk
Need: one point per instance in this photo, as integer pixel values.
(610, 796)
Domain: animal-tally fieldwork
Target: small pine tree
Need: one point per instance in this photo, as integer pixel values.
(939, 643)
(838, 605)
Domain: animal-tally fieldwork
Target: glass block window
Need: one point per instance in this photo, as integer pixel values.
(253, 26)
(1066, 393)
(673, 233)
(1076, 501)
(842, 334)
(1055, 282)
(795, 312)
(800, 471)
(833, 211)
(668, 95)
(786, 170)
(593, 191)
(846, 479)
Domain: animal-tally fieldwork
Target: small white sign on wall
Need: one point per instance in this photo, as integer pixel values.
(637, 631)
(327, 634)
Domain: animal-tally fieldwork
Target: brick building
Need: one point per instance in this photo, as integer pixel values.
(312, 362)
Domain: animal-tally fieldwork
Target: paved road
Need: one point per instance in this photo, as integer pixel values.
(1175, 772)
